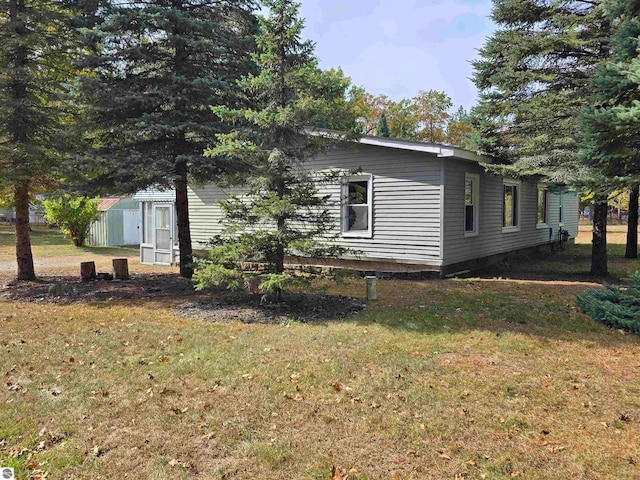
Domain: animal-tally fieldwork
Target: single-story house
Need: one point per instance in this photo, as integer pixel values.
(119, 222)
(426, 207)
(158, 227)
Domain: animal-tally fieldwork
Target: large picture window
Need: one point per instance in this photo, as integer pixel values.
(543, 206)
(357, 206)
(471, 203)
(511, 206)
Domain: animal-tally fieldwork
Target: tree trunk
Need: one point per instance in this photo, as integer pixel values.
(632, 229)
(24, 256)
(599, 240)
(184, 230)
(17, 98)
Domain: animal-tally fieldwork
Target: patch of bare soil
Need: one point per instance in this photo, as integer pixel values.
(256, 308)
(68, 289)
(212, 306)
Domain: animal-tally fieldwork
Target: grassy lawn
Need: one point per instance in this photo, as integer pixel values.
(47, 243)
(461, 379)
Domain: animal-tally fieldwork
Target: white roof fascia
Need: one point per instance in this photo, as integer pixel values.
(416, 147)
(434, 148)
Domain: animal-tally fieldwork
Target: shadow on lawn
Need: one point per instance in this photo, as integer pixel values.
(571, 264)
(501, 307)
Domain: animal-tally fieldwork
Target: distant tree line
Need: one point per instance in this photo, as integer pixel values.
(427, 117)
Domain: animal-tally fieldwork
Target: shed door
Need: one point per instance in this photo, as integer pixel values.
(163, 234)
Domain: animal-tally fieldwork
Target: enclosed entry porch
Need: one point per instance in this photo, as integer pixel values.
(159, 231)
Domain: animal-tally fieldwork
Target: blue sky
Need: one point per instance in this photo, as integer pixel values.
(399, 47)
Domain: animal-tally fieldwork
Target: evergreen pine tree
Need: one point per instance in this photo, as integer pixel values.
(611, 138)
(533, 79)
(158, 66)
(383, 127)
(280, 212)
(38, 44)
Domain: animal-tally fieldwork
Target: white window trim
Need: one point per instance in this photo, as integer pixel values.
(516, 228)
(343, 208)
(561, 209)
(547, 197)
(475, 179)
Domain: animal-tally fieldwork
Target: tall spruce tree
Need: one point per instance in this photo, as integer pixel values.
(158, 67)
(383, 128)
(280, 212)
(611, 137)
(38, 44)
(533, 78)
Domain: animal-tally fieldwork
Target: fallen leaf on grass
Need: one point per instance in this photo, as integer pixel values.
(297, 397)
(443, 455)
(339, 473)
(177, 463)
(556, 448)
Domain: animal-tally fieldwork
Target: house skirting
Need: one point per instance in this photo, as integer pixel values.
(484, 262)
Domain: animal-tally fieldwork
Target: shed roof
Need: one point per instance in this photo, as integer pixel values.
(106, 203)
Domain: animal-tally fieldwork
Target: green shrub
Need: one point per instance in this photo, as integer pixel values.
(616, 306)
(74, 216)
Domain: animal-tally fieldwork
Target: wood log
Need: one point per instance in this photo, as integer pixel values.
(120, 268)
(105, 276)
(87, 271)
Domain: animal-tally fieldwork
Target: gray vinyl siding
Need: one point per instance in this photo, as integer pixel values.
(406, 203)
(491, 240)
(205, 215)
(572, 212)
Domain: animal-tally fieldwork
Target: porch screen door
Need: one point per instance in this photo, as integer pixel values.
(163, 234)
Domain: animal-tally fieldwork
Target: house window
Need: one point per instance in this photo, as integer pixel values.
(561, 210)
(543, 206)
(471, 204)
(510, 206)
(357, 206)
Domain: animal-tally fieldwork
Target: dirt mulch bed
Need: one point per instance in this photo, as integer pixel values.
(256, 308)
(211, 306)
(68, 289)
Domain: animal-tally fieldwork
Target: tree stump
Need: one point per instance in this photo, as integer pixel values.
(87, 271)
(120, 268)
